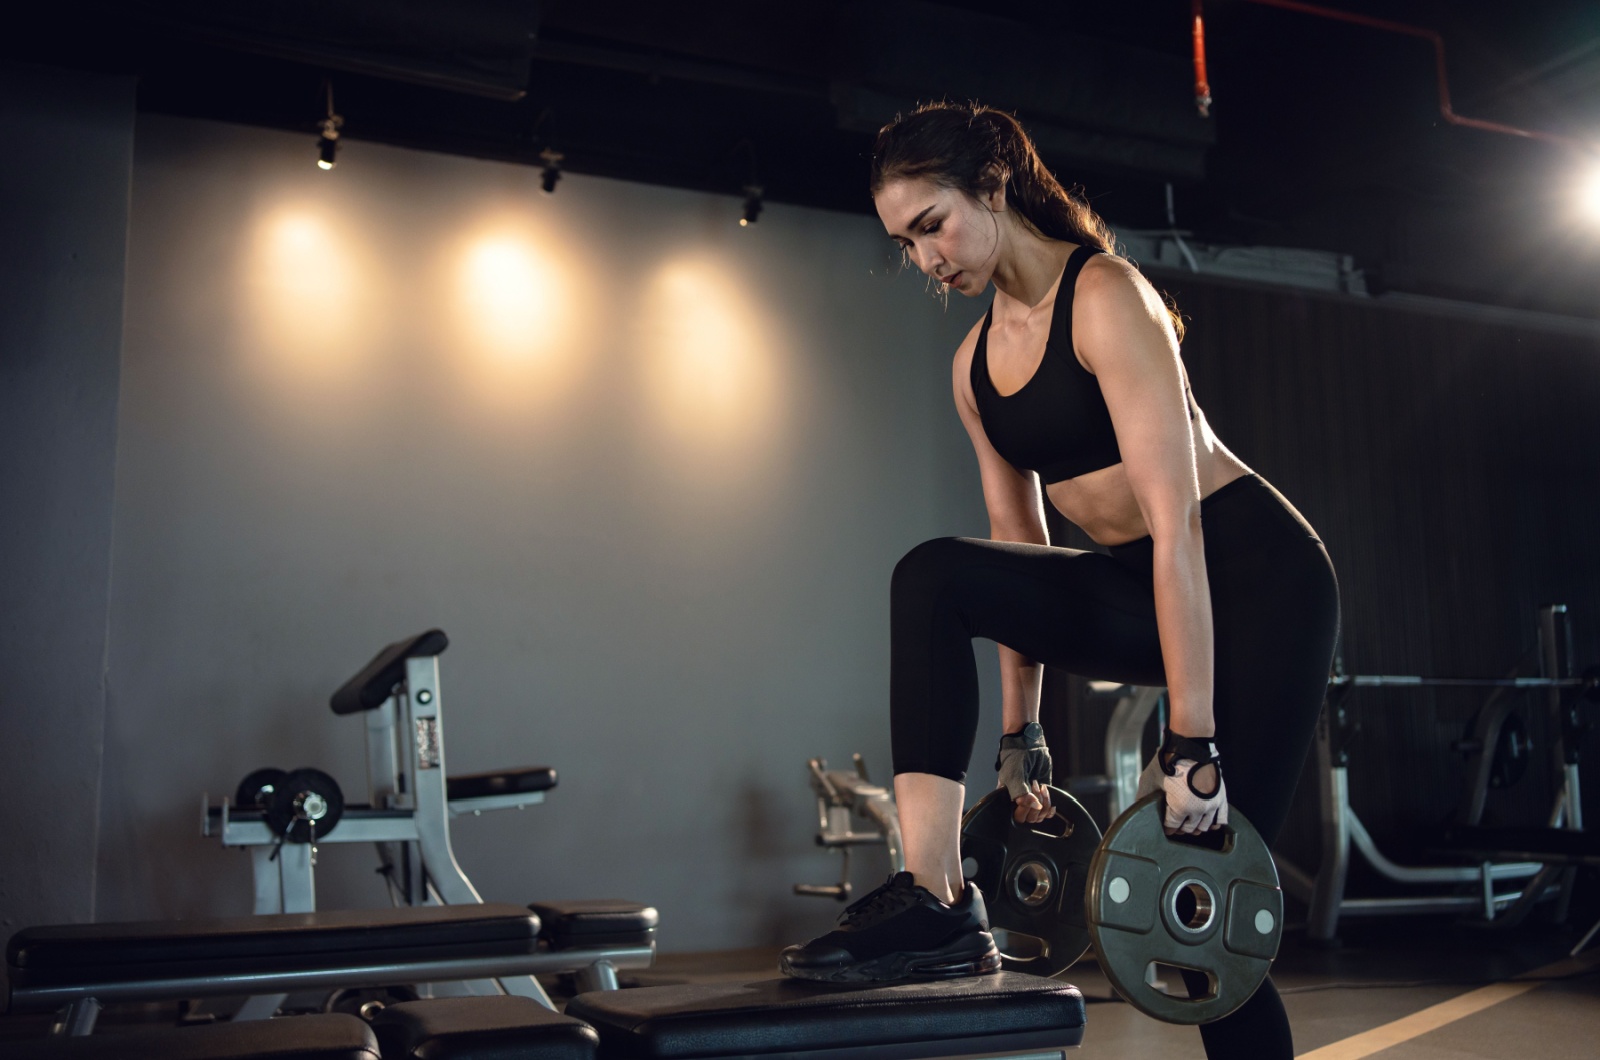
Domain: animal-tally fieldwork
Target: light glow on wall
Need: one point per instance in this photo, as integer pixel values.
(310, 295)
(710, 357)
(517, 297)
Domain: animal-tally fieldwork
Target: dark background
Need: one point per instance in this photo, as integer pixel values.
(1324, 135)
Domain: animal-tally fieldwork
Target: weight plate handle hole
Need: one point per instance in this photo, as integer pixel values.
(1169, 979)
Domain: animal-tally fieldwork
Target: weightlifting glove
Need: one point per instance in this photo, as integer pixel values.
(1023, 761)
(1194, 803)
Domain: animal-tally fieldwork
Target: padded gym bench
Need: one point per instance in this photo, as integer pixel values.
(330, 1036)
(1010, 1014)
(84, 965)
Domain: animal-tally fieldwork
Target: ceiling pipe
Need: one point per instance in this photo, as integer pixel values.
(1429, 35)
(1202, 87)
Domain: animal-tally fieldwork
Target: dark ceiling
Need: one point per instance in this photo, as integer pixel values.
(1323, 134)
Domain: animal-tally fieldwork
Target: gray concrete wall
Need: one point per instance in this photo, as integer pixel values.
(63, 234)
(653, 488)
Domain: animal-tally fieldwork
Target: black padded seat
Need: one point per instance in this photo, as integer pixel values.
(987, 1015)
(118, 952)
(481, 1028)
(588, 922)
(500, 782)
(334, 1036)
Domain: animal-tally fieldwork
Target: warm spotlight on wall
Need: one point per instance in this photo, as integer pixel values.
(309, 297)
(552, 169)
(328, 144)
(711, 359)
(752, 205)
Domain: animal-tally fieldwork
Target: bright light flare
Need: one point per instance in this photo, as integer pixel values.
(1589, 193)
(711, 363)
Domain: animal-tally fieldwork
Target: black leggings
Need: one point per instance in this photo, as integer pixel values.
(1274, 615)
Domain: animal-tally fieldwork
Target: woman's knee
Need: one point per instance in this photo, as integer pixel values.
(926, 569)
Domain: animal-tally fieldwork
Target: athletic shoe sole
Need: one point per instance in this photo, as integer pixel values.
(890, 967)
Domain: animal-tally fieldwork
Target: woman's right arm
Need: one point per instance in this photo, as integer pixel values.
(1016, 513)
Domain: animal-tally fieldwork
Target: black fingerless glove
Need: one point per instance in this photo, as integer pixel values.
(1023, 760)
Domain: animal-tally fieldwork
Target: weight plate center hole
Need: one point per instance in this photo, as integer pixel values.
(1032, 883)
(1194, 906)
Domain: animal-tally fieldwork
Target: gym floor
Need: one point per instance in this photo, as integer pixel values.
(1413, 989)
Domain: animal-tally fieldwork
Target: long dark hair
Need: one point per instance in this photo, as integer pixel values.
(975, 149)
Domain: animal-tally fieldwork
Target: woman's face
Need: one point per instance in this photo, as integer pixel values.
(949, 235)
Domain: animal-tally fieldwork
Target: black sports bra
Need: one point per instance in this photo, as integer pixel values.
(1058, 423)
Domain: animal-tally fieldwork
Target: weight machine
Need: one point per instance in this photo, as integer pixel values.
(287, 817)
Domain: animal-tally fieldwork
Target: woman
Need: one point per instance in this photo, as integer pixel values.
(1214, 586)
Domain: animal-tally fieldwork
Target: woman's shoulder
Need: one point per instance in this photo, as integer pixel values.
(1107, 274)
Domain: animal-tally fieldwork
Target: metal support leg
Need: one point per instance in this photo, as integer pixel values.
(268, 880)
(1125, 744)
(528, 986)
(601, 975)
(1333, 789)
(79, 1018)
(260, 1007)
(298, 877)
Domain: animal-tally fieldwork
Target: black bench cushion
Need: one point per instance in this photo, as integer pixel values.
(334, 1036)
(482, 1028)
(376, 682)
(790, 1018)
(500, 782)
(596, 922)
(143, 949)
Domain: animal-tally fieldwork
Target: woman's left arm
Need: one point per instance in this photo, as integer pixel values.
(1121, 329)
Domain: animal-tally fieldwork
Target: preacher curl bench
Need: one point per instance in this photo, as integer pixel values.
(411, 802)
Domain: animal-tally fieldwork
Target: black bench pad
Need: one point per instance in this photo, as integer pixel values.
(65, 954)
(377, 680)
(334, 1036)
(786, 1018)
(588, 922)
(481, 1028)
(500, 782)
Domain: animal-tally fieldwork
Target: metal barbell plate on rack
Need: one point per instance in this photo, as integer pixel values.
(1208, 903)
(305, 807)
(1032, 877)
(256, 789)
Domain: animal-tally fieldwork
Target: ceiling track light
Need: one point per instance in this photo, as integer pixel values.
(752, 205)
(328, 144)
(552, 160)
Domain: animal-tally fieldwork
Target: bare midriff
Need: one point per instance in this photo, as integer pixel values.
(1102, 504)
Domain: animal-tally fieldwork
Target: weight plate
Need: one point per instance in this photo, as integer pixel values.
(1032, 877)
(257, 786)
(1208, 903)
(305, 796)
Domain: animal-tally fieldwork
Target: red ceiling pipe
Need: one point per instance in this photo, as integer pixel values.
(1202, 87)
(1429, 35)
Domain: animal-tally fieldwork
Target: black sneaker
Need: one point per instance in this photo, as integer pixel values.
(900, 931)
